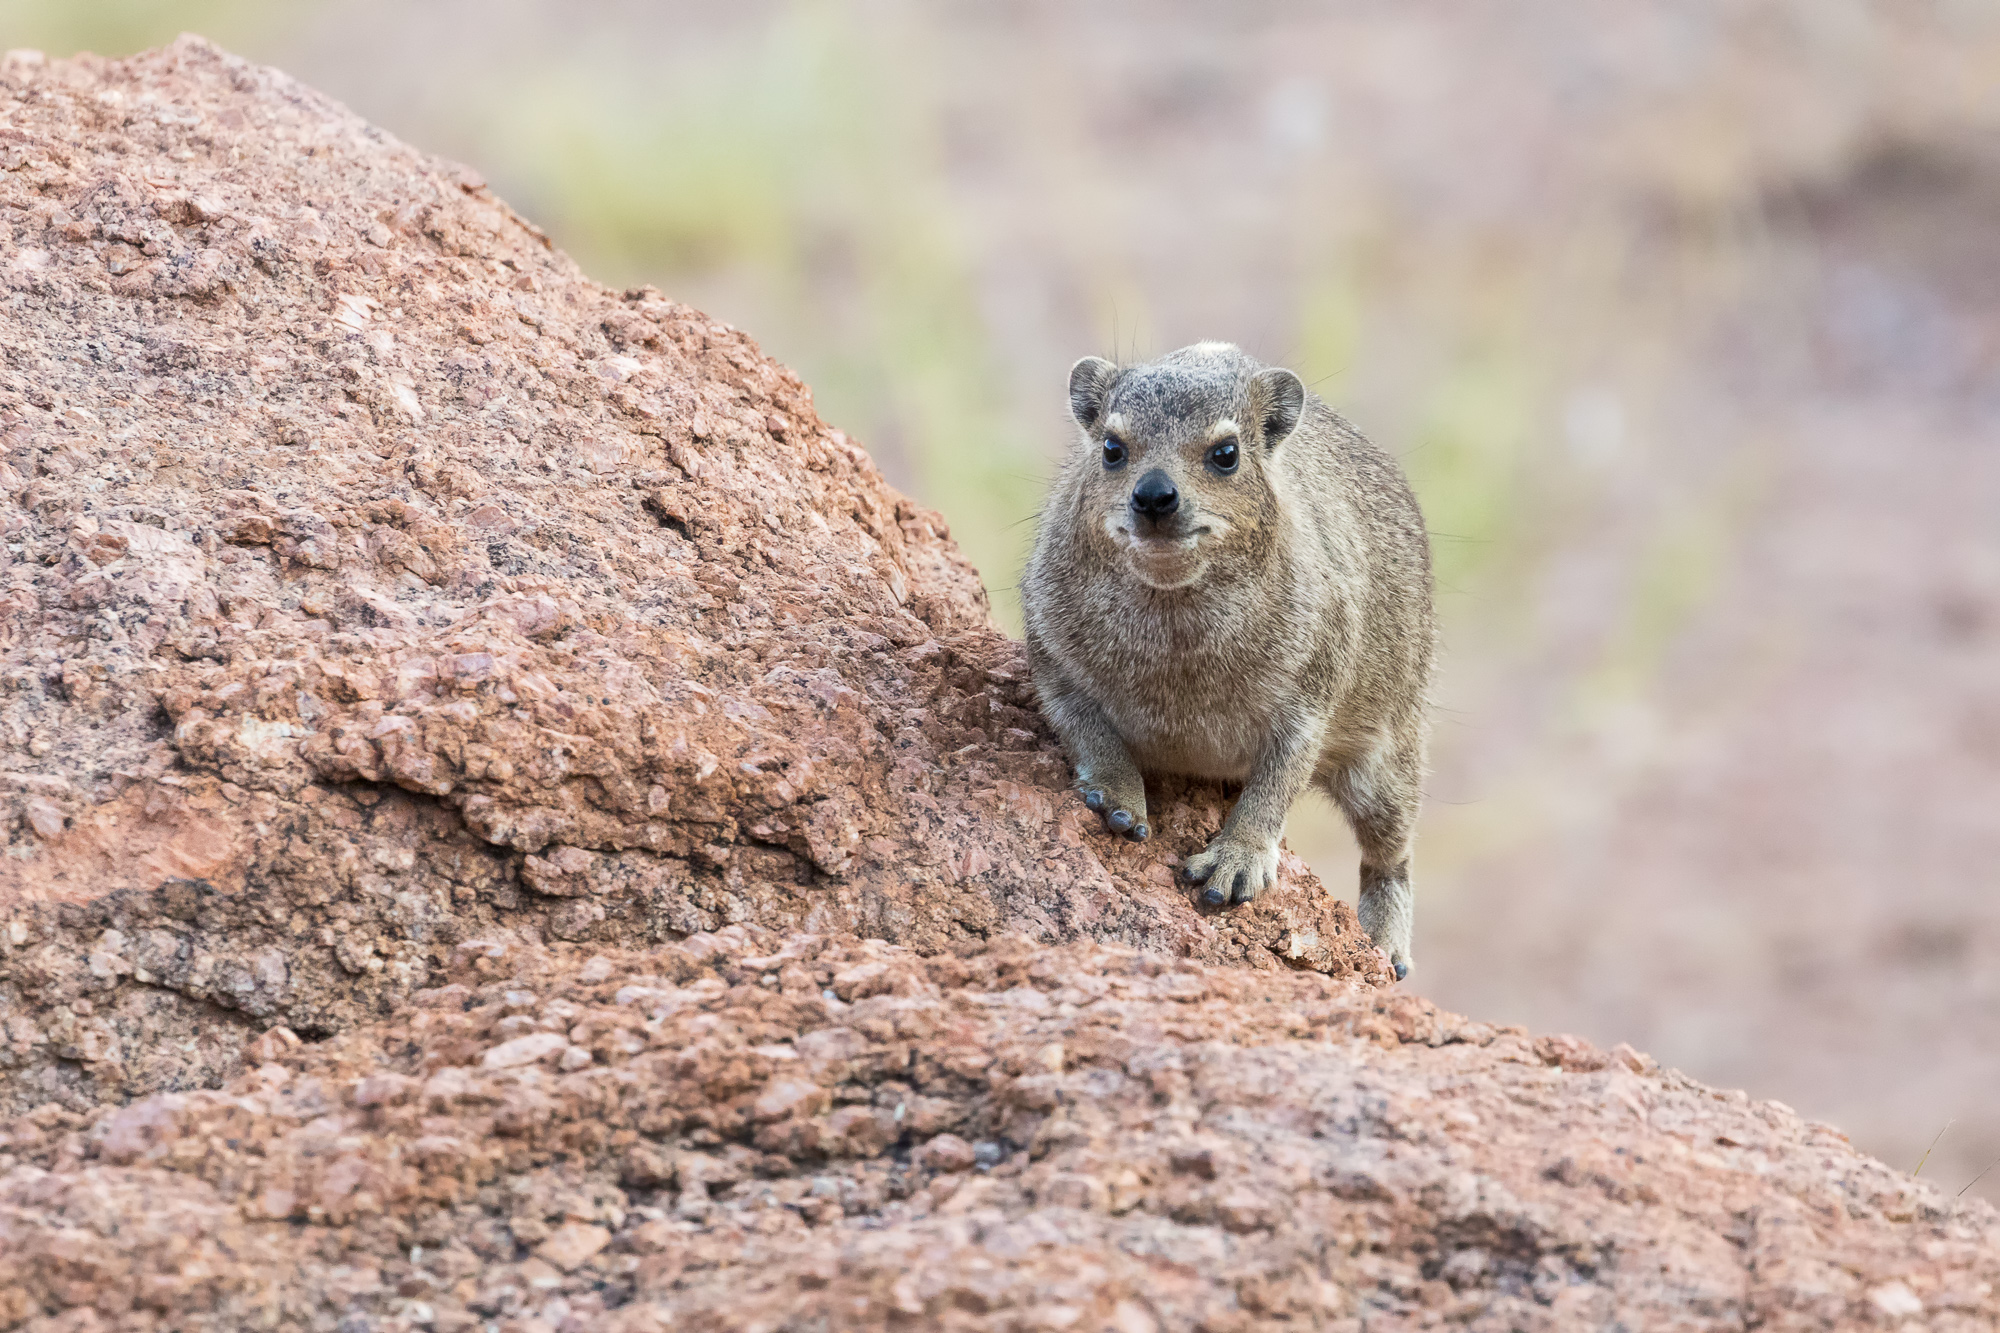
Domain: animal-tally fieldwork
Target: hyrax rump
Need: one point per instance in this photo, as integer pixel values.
(1229, 582)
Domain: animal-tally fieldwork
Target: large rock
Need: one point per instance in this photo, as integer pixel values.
(375, 579)
(743, 1131)
(461, 725)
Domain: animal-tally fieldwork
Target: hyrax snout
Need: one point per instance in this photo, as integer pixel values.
(1229, 582)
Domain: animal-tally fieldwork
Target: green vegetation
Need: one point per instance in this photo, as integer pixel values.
(801, 171)
(1465, 463)
(120, 27)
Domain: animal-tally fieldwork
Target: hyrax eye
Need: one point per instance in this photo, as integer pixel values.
(1114, 452)
(1222, 456)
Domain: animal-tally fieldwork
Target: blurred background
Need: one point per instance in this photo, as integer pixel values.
(1684, 316)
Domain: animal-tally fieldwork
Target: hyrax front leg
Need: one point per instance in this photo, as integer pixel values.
(1380, 796)
(1243, 860)
(1105, 773)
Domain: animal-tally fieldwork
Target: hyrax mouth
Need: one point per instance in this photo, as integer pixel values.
(1167, 557)
(1138, 535)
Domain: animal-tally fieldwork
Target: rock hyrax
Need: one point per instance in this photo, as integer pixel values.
(1230, 582)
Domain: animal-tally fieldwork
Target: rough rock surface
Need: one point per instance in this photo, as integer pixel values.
(374, 579)
(460, 723)
(749, 1131)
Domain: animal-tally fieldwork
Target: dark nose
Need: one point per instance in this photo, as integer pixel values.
(1155, 496)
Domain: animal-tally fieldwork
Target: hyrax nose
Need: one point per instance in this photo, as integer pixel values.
(1155, 497)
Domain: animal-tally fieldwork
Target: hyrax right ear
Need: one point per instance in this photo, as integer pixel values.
(1089, 382)
(1278, 398)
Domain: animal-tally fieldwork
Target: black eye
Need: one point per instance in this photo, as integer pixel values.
(1222, 457)
(1114, 452)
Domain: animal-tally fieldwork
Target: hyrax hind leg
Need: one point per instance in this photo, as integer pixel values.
(1380, 794)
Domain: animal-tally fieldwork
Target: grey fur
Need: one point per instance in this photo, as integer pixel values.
(1274, 629)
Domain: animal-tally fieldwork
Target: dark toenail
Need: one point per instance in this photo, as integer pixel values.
(1120, 820)
(1141, 833)
(1402, 970)
(1213, 896)
(1094, 800)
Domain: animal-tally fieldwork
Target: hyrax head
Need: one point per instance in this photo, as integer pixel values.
(1178, 452)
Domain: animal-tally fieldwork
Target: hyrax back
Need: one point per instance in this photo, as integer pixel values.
(1230, 582)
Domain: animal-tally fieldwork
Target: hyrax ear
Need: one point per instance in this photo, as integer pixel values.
(1278, 399)
(1089, 381)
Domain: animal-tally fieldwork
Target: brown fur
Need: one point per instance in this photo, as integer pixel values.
(1274, 629)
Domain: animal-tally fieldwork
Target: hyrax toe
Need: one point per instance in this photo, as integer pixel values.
(1233, 872)
(1125, 816)
(1132, 826)
(1249, 883)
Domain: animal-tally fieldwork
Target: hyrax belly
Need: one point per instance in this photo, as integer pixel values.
(1196, 742)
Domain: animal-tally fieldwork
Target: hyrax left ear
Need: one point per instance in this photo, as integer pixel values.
(1278, 398)
(1089, 382)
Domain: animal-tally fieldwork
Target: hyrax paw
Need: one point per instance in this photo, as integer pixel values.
(1119, 814)
(1234, 872)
